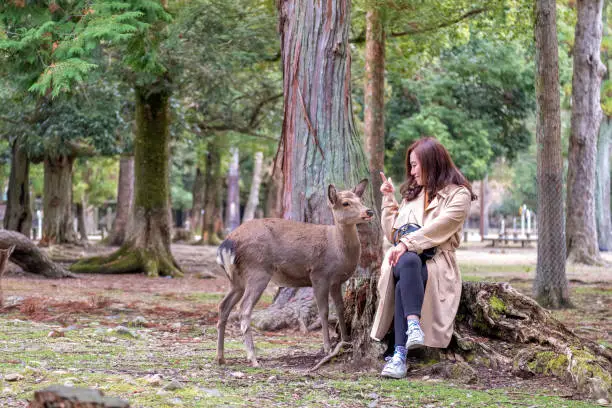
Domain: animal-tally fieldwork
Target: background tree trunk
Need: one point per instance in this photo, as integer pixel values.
(253, 201)
(550, 286)
(58, 224)
(582, 245)
(125, 198)
(18, 216)
(602, 186)
(374, 98)
(319, 144)
(602, 190)
(198, 201)
(80, 215)
(147, 246)
(232, 209)
(212, 195)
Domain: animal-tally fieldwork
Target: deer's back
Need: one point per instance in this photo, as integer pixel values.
(287, 250)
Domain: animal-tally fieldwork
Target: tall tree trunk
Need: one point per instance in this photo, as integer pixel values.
(232, 209)
(58, 224)
(212, 194)
(18, 215)
(602, 190)
(582, 245)
(147, 246)
(550, 286)
(80, 215)
(125, 199)
(602, 186)
(198, 201)
(319, 142)
(253, 201)
(374, 98)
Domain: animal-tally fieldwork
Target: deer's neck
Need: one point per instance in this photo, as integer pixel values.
(347, 238)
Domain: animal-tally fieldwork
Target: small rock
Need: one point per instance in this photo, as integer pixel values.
(237, 374)
(176, 327)
(272, 378)
(12, 301)
(13, 377)
(68, 384)
(124, 330)
(7, 390)
(60, 372)
(173, 385)
(55, 333)
(138, 321)
(425, 378)
(603, 401)
(373, 395)
(212, 392)
(373, 404)
(206, 275)
(162, 392)
(176, 401)
(154, 379)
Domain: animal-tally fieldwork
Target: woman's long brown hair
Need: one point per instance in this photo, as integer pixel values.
(437, 167)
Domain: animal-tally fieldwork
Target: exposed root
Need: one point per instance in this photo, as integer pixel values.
(336, 352)
(130, 260)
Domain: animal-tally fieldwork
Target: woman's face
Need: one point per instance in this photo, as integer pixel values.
(415, 168)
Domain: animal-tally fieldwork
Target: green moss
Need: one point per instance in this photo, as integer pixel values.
(584, 367)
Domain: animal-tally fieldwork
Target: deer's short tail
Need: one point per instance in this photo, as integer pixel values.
(226, 256)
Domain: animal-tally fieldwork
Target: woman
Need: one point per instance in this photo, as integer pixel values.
(419, 291)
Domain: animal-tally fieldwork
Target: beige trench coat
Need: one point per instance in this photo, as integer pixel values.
(442, 223)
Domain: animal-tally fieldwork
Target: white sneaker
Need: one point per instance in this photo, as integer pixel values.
(395, 368)
(416, 337)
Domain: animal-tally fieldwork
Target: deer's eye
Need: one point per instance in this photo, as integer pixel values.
(345, 204)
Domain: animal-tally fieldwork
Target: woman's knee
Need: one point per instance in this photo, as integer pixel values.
(409, 261)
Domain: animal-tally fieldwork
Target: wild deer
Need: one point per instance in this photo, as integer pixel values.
(292, 254)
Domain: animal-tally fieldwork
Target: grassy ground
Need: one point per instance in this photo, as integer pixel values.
(152, 342)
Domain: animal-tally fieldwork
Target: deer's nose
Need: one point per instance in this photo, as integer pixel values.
(370, 213)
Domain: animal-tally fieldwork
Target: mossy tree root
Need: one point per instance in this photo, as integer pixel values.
(128, 259)
(526, 336)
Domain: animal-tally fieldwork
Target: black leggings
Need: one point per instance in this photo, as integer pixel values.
(410, 274)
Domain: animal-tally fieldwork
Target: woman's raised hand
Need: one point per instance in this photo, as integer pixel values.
(387, 186)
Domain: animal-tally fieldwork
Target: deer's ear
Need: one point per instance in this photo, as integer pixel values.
(360, 188)
(331, 194)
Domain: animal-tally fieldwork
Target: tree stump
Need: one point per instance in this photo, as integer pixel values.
(29, 257)
(58, 396)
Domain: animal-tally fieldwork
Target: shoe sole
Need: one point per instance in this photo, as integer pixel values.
(415, 346)
(392, 376)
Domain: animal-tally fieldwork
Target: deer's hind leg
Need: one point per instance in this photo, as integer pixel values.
(258, 280)
(225, 308)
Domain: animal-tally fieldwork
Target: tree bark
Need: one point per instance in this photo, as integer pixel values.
(232, 209)
(602, 186)
(147, 246)
(29, 257)
(58, 224)
(18, 216)
(212, 195)
(374, 98)
(80, 215)
(253, 201)
(602, 190)
(125, 198)
(319, 143)
(198, 191)
(550, 286)
(582, 245)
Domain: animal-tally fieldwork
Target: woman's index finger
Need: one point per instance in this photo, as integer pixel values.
(382, 175)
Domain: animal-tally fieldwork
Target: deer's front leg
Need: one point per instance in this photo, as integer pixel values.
(336, 294)
(321, 293)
